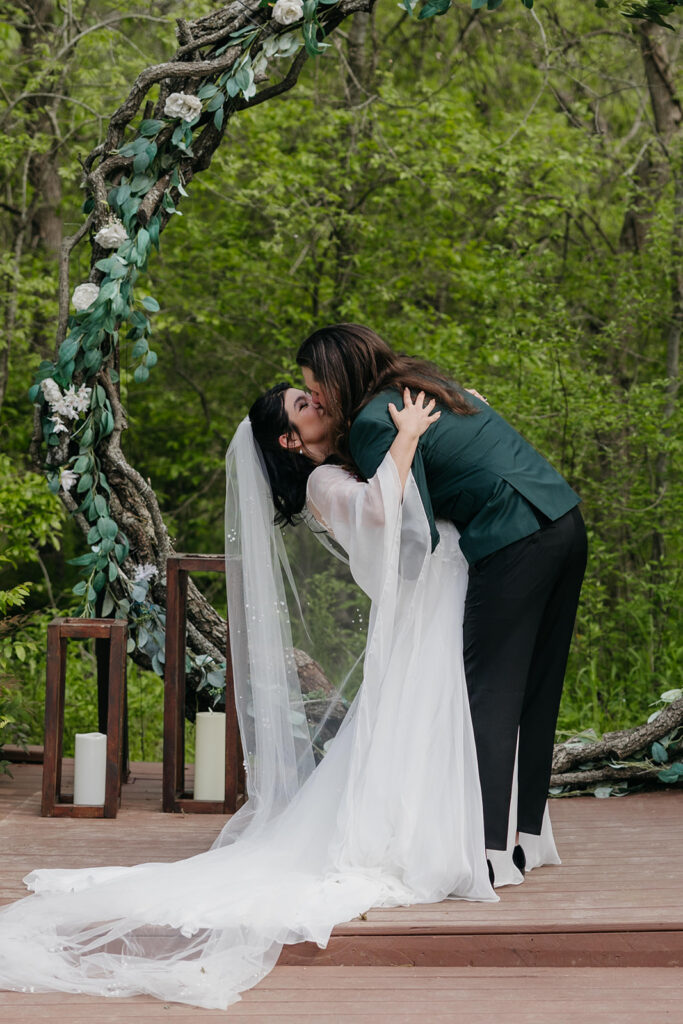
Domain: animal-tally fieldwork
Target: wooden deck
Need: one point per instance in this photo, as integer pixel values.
(593, 940)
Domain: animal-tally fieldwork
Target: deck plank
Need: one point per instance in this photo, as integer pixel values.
(340, 995)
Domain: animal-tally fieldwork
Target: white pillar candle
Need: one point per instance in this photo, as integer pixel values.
(90, 768)
(209, 757)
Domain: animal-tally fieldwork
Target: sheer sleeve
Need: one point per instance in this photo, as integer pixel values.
(373, 522)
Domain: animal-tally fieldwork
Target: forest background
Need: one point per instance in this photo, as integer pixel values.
(500, 192)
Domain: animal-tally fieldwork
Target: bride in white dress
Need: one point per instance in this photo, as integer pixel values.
(391, 816)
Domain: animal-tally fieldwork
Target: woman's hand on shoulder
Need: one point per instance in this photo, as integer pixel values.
(473, 391)
(415, 417)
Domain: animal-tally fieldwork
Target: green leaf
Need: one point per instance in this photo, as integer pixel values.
(33, 392)
(492, 5)
(232, 87)
(87, 559)
(142, 240)
(133, 148)
(80, 587)
(140, 348)
(101, 505)
(94, 534)
(434, 8)
(141, 374)
(142, 183)
(112, 571)
(114, 377)
(674, 773)
(217, 101)
(107, 603)
(108, 290)
(67, 350)
(81, 464)
(107, 527)
(123, 194)
(93, 360)
(151, 359)
(99, 581)
(310, 9)
(150, 304)
(207, 91)
(141, 162)
(151, 127)
(218, 124)
(659, 753)
(138, 319)
(476, 5)
(153, 228)
(106, 427)
(84, 483)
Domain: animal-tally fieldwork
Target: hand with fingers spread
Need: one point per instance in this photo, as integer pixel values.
(415, 416)
(411, 422)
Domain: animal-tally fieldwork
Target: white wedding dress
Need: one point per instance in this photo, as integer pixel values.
(391, 816)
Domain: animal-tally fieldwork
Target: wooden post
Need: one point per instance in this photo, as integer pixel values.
(115, 632)
(175, 797)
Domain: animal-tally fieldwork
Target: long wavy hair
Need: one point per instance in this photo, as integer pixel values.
(288, 470)
(352, 364)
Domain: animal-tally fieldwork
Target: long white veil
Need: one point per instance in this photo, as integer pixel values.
(392, 814)
(275, 741)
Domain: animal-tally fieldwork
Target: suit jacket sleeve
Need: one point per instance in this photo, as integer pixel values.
(370, 440)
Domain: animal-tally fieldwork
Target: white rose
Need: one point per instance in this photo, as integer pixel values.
(84, 295)
(286, 12)
(182, 105)
(111, 235)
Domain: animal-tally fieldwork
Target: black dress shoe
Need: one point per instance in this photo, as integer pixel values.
(519, 859)
(492, 876)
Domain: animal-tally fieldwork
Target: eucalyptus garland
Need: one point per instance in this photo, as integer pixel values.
(75, 410)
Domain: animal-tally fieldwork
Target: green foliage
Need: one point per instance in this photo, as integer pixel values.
(469, 209)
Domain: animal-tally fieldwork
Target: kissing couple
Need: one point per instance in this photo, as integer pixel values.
(472, 550)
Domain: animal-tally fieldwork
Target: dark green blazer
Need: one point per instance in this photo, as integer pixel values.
(475, 470)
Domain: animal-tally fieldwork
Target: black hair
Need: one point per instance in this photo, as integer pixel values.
(288, 469)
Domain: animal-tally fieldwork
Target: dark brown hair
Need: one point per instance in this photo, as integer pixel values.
(352, 364)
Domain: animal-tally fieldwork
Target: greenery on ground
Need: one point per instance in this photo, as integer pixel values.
(490, 190)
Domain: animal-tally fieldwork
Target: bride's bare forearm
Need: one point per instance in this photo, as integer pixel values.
(402, 451)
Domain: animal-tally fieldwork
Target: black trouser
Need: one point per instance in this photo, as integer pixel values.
(519, 618)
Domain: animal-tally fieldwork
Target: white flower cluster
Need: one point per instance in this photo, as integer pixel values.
(145, 572)
(84, 295)
(286, 12)
(112, 235)
(65, 406)
(182, 105)
(67, 478)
